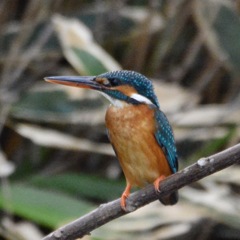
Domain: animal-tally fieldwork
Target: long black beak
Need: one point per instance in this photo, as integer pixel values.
(75, 81)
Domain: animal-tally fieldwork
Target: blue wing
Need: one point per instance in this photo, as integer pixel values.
(165, 139)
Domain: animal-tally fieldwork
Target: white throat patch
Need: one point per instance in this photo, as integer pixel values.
(115, 102)
(141, 98)
(120, 104)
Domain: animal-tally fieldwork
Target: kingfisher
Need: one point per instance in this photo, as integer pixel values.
(138, 130)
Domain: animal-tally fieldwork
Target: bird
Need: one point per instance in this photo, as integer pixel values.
(137, 128)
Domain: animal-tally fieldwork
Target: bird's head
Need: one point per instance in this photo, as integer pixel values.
(118, 86)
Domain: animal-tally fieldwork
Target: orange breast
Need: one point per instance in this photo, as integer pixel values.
(131, 132)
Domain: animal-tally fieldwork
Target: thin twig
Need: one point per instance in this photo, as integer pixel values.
(107, 212)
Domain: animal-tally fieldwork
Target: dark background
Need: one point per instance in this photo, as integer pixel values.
(56, 163)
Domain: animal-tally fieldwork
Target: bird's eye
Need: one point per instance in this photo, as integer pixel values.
(114, 82)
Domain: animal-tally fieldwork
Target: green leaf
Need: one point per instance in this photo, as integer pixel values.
(83, 185)
(45, 207)
(80, 49)
(92, 65)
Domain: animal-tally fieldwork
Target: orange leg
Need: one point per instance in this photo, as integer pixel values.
(124, 196)
(157, 182)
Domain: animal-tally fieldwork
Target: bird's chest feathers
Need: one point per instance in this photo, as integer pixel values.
(129, 122)
(131, 132)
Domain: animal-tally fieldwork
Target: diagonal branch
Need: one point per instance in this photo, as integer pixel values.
(107, 212)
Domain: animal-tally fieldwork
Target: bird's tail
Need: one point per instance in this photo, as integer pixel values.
(170, 199)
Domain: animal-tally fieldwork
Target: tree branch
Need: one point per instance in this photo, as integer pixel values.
(107, 212)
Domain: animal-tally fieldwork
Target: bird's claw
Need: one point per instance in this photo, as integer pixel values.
(124, 196)
(157, 183)
(123, 202)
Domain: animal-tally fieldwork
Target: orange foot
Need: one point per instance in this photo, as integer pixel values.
(124, 196)
(157, 183)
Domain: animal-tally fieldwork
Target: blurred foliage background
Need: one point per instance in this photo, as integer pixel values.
(56, 163)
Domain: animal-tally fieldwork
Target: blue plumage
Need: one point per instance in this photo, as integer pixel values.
(165, 139)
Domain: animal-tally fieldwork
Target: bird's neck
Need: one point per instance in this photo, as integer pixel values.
(115, 102)
(134, 99)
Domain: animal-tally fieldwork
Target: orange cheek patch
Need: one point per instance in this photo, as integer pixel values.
(102, 81)
(126, 90)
